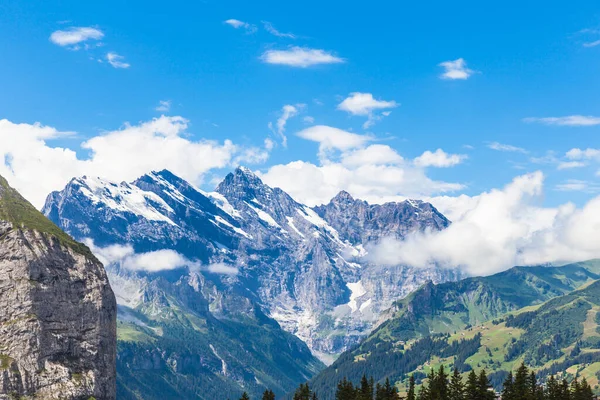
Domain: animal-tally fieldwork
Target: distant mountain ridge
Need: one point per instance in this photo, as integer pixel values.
(293, 264)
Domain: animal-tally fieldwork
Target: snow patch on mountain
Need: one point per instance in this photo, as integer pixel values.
(357, 290)
(125, 198)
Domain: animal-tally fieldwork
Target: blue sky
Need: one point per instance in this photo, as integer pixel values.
(536, 60)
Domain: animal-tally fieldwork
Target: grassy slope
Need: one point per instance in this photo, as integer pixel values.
(451, 306)
(458, 311)
(18, 211)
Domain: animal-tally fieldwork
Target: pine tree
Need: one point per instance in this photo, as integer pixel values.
(303, 392)
(508, 392)
(486, 392)
(521, 385)
(585, 391)
(552, 389)
(441, 385)
(365, 392)
(345, 390)
(268, 395)
(472, 389)
(456, 389)
(245, 396)
(565, 393)
(410, 395)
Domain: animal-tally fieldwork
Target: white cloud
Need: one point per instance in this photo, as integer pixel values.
(592, 44)
(374, 172)
(75, 35)
(308, 119)
(301, 57)
(271, 29)
(317, 184)
(163, 106)
(571, 120)
(439, 159)
(573, 185)
(364, 104)
(330, 138)
(506, 147)
(570, 165)
(587, 154)
(502, 228)
(35, 167)
(153, 261)
(116, 60)
(237, 24)
(288, 111)
(222, 268)
(456, 69)
(375, 154)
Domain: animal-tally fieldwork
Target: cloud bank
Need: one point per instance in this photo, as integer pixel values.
(502, 228)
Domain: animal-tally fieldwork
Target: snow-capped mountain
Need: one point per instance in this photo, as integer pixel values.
(305, 267)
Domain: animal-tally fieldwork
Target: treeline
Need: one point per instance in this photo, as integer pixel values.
(440, 385)
(389, 360)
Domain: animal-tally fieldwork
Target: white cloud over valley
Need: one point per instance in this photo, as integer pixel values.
(502, 228)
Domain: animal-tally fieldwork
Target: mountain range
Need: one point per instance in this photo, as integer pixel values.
(237, 289)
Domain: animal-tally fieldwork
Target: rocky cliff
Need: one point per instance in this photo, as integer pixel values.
(57, 310)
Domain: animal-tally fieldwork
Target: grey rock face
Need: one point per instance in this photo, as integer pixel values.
(57, 320)
(306, 268)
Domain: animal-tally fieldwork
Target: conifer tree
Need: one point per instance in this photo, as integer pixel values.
(485, 389)
(440, 385)
(410, 395)
(303, 392)
(345, 390)
(365, 392)
(245, 396)
(552, 389)
(472, 388)
(508, 392)
(268, 395)
(456, 389)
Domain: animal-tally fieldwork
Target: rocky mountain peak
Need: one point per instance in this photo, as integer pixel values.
(243, 184)
(342, 198)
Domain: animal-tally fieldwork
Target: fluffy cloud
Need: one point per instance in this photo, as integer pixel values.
(330, 138)
(571, 120)
(506, 147)
(301, 57)
(456, 69)
(116, 60)
(439, 159)
(502, 228)
(587, 154)
(374, 172)
(75, 35)
(35, 167)
(153, 261)
(364, 104)
(237, 24)
(288, 111)
(271, 29)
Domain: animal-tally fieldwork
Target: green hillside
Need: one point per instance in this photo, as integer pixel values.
(493, 322)
(23, 215)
